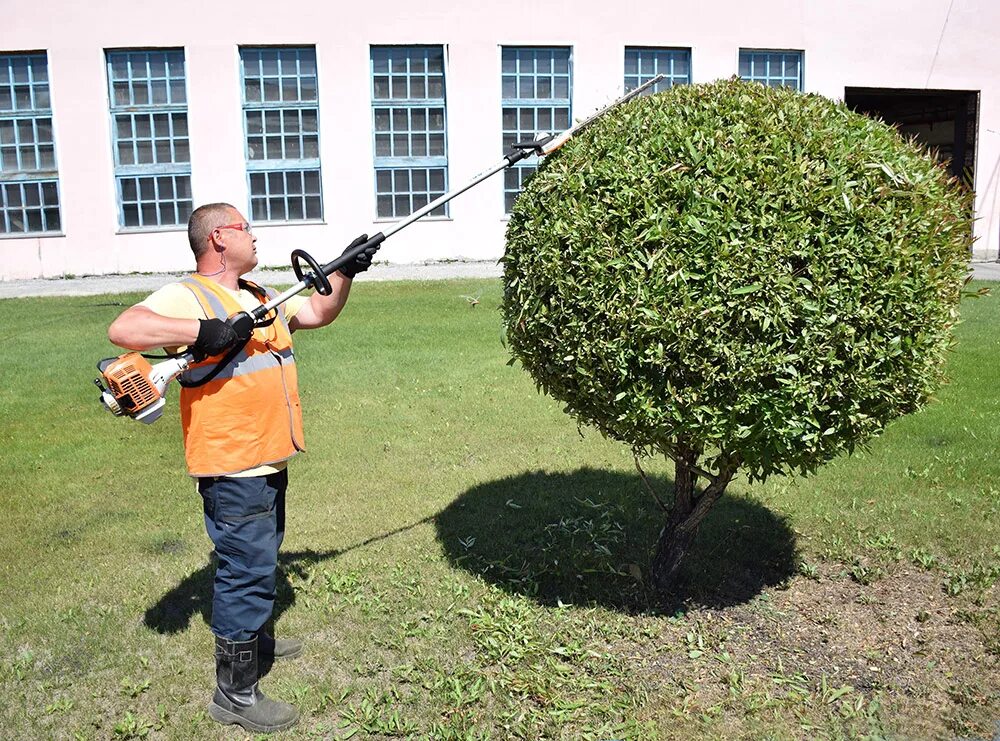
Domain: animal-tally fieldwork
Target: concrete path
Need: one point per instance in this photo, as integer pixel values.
(149, 282)
(101, 284)
(986, 270)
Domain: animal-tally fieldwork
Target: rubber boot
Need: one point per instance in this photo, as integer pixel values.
(237, 698)
(278, 648)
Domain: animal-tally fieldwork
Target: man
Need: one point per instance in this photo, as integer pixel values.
(240, 428)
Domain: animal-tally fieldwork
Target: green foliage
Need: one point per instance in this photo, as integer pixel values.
(761, 273)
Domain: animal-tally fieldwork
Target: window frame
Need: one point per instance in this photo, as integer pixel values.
(34, 178)
(522, 170)
(659, 53)
(766, 79)
(426, 164)
(155, 172)
(309, 170)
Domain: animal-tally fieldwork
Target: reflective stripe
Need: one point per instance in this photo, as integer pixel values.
(242, 365)
(191, 375)
(272, 294)
(216, 305)
(210, 298)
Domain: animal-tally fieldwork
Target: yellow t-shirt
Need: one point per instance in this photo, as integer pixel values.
(178, 302)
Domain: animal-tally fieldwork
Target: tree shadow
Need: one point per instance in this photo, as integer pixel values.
(587, 537)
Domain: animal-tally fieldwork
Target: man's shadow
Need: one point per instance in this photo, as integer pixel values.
(172, 613)
(587, 537)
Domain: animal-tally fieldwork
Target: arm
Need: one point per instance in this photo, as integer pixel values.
(140, 328)
(319, 311)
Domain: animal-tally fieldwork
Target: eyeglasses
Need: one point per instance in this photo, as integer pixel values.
(244, 227)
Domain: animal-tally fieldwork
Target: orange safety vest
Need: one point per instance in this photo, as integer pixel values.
(249, 415)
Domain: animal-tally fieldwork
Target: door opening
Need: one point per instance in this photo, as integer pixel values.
(946, 121)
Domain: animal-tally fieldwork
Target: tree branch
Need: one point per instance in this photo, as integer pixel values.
(645, 480)
(700, 471)
(718, 484)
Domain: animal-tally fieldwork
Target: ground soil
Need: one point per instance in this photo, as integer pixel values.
(900, 640)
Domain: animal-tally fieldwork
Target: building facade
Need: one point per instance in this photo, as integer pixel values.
(322, 122)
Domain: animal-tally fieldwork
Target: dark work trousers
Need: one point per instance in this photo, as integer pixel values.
(245, 518)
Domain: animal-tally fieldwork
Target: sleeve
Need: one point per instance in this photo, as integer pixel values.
(175, 301)
(293, 305)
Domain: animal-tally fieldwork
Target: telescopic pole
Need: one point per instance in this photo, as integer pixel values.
(522, 150)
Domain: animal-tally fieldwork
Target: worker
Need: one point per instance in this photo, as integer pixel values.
(240, 427)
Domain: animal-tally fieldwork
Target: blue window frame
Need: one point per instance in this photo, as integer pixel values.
(642, 64)
(281, 124)
(409, 115)
(29, 178)
(772, 68)
(537, 88)
(149, 137)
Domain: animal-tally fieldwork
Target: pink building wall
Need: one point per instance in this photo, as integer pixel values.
(878, 43)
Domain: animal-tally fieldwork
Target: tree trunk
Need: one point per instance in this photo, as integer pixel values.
(688, 511)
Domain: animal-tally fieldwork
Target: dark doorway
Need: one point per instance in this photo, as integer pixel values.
(946, 121)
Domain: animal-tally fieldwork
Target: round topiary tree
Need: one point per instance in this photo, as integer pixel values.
(736, 277)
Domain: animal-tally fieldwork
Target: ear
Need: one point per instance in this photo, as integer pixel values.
(215, 236)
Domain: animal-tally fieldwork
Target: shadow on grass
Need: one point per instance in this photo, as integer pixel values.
(172, 613)
(587, 537)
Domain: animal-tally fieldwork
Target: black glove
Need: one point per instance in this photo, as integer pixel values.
(242, 324)
(214, 337)
(362, 261)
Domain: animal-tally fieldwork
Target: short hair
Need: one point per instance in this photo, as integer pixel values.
(203, 221)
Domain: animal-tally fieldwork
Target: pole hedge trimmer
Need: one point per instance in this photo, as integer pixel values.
(136, 388)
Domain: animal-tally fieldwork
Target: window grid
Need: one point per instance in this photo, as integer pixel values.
(281, 128)
(155, 200)
(536, 87)
(409, 113)
(401, 191)
(642, 64)
(286, 195)
(148, 94)
(29, 188)
(772, 68)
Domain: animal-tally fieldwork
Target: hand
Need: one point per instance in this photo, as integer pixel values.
(362, 261)
(242, 324)
(214, 337)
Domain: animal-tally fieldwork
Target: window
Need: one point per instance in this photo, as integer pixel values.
(29, 184)
(409, 114)
(642, 64)
(536, 90)
(281, 122)
(149, 137)
(773, 68)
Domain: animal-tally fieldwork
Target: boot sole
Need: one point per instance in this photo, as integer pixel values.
(221, 715)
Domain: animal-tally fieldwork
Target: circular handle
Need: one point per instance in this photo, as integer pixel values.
(317, 278)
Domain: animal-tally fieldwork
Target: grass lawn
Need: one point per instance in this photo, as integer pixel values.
(464, 563)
